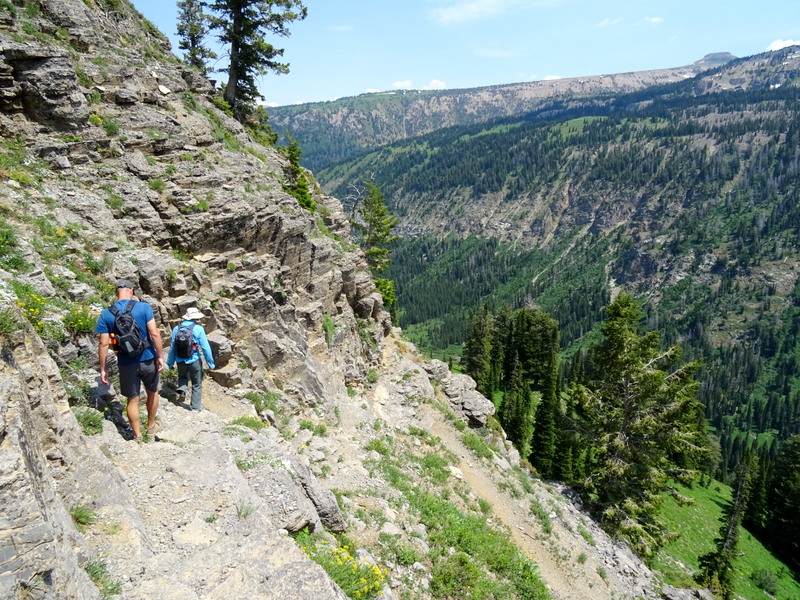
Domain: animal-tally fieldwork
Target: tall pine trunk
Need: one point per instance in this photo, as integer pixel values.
(237, 18)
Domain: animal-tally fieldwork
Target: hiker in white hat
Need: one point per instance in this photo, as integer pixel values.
(186, 345)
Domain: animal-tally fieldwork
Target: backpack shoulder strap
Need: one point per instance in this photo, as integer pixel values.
(129, 307)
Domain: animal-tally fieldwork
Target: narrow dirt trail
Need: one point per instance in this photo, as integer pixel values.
(554, 553)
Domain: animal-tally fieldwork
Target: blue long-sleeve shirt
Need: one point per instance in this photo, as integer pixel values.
(199, 335)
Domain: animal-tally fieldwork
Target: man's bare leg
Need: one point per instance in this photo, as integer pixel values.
(152, 407)
(133, 416)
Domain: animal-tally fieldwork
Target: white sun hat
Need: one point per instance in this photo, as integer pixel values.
(192, 315)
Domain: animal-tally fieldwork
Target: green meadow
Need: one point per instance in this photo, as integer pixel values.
(757, 570)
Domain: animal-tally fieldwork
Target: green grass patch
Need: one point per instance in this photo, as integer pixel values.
(358, 579)
(540, 512)
(319, 429)
(80, 320)
(17, 165)
(253, 423)
(31, 304)
(379, 446)
(8, 322)
(434, 466)
(477, 445)
(586, 534)
(83, 516)
(90, 420)
(10, 257)
(478, 548)
(98, 573)
(329, 327)
(698, 524)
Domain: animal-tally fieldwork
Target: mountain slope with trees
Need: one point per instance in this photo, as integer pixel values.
(684, 195)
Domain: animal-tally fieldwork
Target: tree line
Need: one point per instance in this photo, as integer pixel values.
(623, 426)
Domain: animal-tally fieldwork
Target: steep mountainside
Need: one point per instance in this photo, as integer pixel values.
(332, 132)
(684, 194)
(117, 161)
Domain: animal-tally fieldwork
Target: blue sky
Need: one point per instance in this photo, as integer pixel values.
(348, 47)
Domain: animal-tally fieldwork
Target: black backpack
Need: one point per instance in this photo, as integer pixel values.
(127, 338)
(184, 341)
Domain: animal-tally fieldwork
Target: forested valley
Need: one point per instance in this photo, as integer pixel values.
(684, 196)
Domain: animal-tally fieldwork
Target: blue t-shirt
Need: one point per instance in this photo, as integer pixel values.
(143, 313)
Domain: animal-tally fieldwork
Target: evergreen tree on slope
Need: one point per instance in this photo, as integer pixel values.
(641, 422)
(717, 565)
(784, 501)
(243, 27)
(192, 29)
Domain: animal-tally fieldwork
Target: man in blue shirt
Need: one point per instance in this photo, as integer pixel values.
(134, 370)
(191, 369)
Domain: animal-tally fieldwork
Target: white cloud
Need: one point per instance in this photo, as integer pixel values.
(778, 44)
(608, 22)
(371, 91)
(461, 11)
(435, 84)
(403, 85)
(654, 20)
(551, 77)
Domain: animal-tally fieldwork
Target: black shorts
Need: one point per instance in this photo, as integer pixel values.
(133, 375)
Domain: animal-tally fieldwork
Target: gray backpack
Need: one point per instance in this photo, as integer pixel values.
(184, 341)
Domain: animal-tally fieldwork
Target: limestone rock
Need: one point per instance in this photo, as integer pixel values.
(461, 392)
(322, 498)
(48, 85)
(221, 348)
(45, 469)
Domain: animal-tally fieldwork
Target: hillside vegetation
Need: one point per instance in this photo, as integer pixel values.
(758, 574)
(682, 194)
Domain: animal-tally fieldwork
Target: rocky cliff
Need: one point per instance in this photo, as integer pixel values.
(116, 162)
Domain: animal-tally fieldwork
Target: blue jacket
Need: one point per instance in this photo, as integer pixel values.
(143, 313)
(199, 335)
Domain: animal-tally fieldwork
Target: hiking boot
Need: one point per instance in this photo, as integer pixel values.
(155, 427)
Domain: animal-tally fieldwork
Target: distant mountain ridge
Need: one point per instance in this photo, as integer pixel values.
(330, 132)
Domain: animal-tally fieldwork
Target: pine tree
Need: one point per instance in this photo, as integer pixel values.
(243, 26)
(784, 501)
(757, 509)
(501, 346)
(375, 223)
(717, 565)
(193, 27)
(543, 446)
(637, 417)
(477, 354)
(516, 412)
(535, 339)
